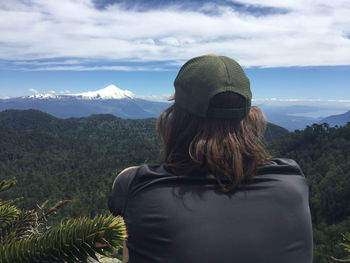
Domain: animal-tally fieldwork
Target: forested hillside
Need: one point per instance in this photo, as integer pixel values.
(78, 159)
(324, 155)
(75, 159)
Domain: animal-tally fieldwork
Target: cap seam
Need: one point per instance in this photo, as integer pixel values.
(227, 74)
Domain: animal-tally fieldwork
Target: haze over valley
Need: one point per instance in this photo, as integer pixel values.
(290, 114)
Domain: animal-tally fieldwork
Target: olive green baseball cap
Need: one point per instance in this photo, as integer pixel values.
(201, 78)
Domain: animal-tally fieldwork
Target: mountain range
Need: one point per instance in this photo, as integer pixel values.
(127, 105)
(110, 100)
(340, 119)
(297, 117)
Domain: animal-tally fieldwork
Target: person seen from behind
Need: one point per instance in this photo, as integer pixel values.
(217, 196)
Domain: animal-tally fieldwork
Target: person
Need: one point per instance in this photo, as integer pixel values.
(217, 196)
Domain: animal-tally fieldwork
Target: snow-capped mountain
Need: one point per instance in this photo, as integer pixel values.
(112, 100)
(110, 92)
(42, 96)
(125, 104)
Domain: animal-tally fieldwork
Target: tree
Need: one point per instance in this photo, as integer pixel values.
(74, 240)
(346, 245)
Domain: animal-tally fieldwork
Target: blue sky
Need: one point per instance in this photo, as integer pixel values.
(291, 49)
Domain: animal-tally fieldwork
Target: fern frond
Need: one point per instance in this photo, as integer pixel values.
(73, 241)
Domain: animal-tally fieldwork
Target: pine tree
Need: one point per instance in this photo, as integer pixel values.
(74, 240)
(346, 245)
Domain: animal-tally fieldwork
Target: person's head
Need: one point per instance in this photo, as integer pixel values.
(211, 127)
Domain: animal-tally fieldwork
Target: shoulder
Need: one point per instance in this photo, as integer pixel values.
(133, 175)
(125, 176)
(127, 181)
(118, 197)
(286, 178)
(281, 166)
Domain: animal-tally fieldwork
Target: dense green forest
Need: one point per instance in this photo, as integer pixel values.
(74, 159)
(324, 155)
(78, 159)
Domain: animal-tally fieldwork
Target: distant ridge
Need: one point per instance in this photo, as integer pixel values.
(35, 119)
(340, 119)
(127, 105)
(110, 100)
(109, 92)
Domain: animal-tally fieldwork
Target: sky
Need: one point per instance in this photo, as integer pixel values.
(291, 50)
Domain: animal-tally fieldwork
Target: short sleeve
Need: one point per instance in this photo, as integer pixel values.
(118, 197)
(281, 166)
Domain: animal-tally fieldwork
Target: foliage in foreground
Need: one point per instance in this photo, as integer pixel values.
(74, 240)
(346, 245)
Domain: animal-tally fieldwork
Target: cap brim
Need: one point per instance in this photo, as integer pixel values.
(171, 97)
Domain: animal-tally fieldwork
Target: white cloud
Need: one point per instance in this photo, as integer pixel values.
(95, 68)
(65, 92)
(34, 91)
(160, 98)
(308, 33)
(172, 41)
(44, 63)
(266, 102)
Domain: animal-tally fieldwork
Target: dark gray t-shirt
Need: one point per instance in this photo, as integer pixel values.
(186, 219)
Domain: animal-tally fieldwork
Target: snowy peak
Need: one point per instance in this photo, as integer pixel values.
(43, 96)
(110, 92)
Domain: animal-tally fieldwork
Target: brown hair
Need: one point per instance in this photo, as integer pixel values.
(229, 149)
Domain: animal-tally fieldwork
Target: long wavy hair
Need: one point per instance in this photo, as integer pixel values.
(231, 150)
